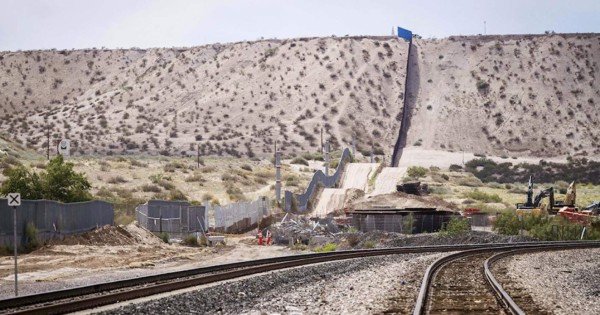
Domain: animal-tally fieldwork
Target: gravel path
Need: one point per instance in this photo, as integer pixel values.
(564, 282)
(359, 286)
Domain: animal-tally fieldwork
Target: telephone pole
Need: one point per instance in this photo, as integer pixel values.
(48, 134)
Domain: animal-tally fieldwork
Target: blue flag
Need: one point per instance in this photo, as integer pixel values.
(404, 33)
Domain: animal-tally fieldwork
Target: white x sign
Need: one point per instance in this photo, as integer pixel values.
(14, 199)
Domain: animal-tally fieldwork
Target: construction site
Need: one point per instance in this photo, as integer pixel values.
(312, 175)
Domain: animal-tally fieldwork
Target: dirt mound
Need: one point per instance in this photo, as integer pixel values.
(131, 234)
(403, 200)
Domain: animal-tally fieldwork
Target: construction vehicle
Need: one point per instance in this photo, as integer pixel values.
(584, 216)
(570, 199)
(534, 205)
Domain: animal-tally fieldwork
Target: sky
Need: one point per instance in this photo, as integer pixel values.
(66, 24)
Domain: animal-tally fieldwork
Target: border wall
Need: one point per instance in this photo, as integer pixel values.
(401, 141)
(240, 217)
(300, 203)
(176, 218)
(53, 220)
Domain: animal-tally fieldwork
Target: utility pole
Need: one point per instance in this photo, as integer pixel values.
(327, 158)
(484, 28)
(48, 134)
(321, 139)
(372, 152)
(354, 142)
(198, 154)
(278, 176)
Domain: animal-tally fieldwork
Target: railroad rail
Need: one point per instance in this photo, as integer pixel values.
(468, 291)
(86, 297)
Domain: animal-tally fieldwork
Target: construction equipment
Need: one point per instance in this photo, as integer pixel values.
(570, 199)
(593, 209)
(535, 206)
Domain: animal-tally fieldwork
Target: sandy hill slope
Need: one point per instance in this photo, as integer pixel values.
(502, 95)
(507, 95)
(235, 99)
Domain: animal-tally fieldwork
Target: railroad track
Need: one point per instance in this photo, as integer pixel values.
(87, 297)
(464, 283)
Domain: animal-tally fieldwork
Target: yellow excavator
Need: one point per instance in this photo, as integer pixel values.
(534, 205)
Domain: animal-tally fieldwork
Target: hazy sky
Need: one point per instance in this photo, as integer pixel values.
(44, 24)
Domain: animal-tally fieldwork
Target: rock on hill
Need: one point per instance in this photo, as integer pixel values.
(529, 95)
(235, 99)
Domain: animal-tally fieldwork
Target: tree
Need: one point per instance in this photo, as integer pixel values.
(416, 172)
(59, 182)
(23, 181)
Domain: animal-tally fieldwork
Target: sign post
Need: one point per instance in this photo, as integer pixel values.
(14, 200)
(64, 148)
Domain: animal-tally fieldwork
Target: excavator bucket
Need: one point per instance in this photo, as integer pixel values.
(571, 196)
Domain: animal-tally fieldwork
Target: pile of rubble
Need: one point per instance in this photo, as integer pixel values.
(293, 230)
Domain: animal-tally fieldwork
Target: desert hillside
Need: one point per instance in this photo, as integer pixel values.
(235, 99)
(529, 95)
(507, 95)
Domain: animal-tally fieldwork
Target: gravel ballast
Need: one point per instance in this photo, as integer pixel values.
(564, 282)
(357, 286)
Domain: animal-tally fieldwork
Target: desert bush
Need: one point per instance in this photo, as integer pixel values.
(165, 184)
(164, 237)
(455, 168)
(416, 172)
(439, 190)
(299, 160)
(137, 163)
(151, 188)
(177, 195)
(190, 240)
(353, 239)
(329, 247)
(455, 226)
(194, 178)
(246, 167)
(469, 182)
(117, 180)
(31, 234)
(369, 244)
(482, 196)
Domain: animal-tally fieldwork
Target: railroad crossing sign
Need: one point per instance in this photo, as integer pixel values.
(64, 147)
(14, 199)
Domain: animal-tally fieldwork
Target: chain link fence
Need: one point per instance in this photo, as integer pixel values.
(240, 217)
(178, 219)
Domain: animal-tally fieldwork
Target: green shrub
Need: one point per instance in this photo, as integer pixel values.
(416, 172)
(369, 244)
(469, 182)
(329, 247)
(352, 239)
(31, 234)
(455, 168)
(482, 196)
(191, 240)
(164, 237)
(58, 182)
(456, 226)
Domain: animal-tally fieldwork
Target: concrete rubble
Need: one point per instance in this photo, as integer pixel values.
(292, 230)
